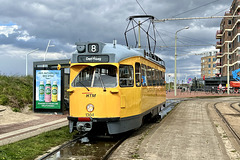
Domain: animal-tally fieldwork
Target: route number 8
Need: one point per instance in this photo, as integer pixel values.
(93, 48)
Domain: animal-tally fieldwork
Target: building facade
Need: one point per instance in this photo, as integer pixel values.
(208, 65)
(229, 41)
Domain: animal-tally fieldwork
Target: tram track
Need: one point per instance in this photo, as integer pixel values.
(113, 143)
(106, 156)
(44, 157)
(114, 147)
(228, 124)
(234, 107)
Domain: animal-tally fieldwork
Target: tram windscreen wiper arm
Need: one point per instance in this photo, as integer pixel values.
(84, 85)
(104, 88)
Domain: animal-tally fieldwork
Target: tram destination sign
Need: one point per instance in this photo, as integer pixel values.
(93, 58)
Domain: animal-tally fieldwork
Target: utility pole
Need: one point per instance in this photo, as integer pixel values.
(228, 70)
(139, 34)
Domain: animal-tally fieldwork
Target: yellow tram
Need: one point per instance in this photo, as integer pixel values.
(113, 87)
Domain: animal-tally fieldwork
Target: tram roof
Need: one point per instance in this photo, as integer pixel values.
(122, 52)
(93, 52)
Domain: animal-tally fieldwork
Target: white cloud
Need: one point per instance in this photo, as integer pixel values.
(37, 55)
(6, 30)
(24, 35)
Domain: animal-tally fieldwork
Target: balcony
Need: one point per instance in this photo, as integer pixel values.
(219, 55)
(218, 74)
(227, 12)
(219, 34)
(218, 65)
(218, 45)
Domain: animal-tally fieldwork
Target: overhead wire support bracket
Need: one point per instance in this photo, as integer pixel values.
(190, 18)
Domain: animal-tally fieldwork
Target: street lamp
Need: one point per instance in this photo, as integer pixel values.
(169, 82)
(27, 59)
(175, 73)
(228, 69)
(47, 49)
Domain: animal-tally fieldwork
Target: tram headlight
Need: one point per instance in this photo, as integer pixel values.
(81, 49)
(90, 107)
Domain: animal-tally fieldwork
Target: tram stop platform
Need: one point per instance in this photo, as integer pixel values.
(189, 131)
(16, 126)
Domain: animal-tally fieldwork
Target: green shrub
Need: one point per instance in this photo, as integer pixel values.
(16, 91)
(3, 99)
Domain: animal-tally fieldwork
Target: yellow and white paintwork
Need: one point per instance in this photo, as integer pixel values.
(115, 102)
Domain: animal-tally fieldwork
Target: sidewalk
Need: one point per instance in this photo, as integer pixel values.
(187, 133)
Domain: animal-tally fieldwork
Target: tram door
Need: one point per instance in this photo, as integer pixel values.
(129, 100)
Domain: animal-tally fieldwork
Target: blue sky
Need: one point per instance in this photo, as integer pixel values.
(26, 25)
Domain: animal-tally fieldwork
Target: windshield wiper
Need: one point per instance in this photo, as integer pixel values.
(104, 88)
(84, 85)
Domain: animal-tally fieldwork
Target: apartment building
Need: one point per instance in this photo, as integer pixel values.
(208, 65)
(229, 41)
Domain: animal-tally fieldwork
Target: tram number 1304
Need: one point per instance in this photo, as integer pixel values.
(93, 48)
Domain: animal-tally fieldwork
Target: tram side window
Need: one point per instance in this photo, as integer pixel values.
(144, 77)
(162, 81)
(126, 76)
(163, 75)
(149, 76)
(157, 77)
(154, 77)
(138, 74)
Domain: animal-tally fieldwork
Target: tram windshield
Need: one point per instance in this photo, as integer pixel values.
(97, 76)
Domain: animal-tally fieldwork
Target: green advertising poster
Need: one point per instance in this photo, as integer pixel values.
(48, 89)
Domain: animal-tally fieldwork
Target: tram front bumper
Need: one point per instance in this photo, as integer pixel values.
(82, 124)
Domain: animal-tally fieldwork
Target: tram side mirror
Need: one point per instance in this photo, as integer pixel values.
(70, 90)
(59, 66)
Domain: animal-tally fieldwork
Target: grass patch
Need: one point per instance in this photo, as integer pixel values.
(31, 148)
(16, 91)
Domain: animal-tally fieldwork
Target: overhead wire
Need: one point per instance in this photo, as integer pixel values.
(141, 7)
(166, 47)
(154, 25)
(195, 8)
(190, 38)
(220, 11)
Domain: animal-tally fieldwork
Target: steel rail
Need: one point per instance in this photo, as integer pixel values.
(234, 107)
(59, 148)
(227, 123)
(114, 147)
